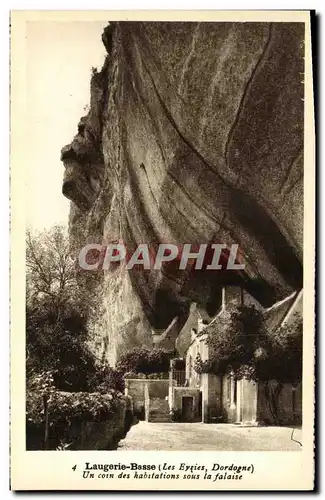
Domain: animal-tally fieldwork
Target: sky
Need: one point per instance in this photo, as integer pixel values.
(60, 56)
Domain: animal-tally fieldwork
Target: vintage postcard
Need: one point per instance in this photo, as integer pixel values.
(162, 262)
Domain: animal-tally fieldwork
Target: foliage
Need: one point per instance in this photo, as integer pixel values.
(280, 355)
(58, 357)
(241, 344)
(56, 319)
(81, 406)
(67, 411)
(67, 407)
(50, 270)
(231, 340)
(63, 446)
(55, 346)
(147, 376)
(41, 383)
(104, 378)
(145, 360)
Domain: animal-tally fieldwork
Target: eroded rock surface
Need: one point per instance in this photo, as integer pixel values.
(194, 135)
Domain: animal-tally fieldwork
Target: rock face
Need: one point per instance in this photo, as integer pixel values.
(194, 135)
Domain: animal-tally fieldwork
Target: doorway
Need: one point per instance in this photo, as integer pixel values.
(187, 409)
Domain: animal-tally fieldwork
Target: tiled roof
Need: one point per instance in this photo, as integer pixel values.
(276, 314)
(184, 338)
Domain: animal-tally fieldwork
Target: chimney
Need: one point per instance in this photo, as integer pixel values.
(232, 296)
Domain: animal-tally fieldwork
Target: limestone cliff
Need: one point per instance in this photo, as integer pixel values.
(194, 135)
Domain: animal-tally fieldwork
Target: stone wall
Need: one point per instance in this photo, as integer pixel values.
(246, 403)
(239, 400)
(104, 435)
(211, 387)
(138, 388)
(85, 434)
(290, 406)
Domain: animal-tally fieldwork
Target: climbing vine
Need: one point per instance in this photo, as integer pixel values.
(241, 343)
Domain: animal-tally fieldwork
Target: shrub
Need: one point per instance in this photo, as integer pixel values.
(66, 412)
(145, 360)
(241, 344)
(104, 378)
(146, 376)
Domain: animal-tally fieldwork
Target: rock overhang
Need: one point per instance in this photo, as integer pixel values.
(197, 130)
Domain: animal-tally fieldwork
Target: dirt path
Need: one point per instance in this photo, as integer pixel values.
(208, 437)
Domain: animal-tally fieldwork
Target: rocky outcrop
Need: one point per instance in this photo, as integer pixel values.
(194, 135)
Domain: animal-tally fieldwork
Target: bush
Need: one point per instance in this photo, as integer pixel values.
(147, 376)
(145, 360)
(58, 345)
(280, 355)
(241, 344)
(104, 378)
(66, 412)
(232, 340)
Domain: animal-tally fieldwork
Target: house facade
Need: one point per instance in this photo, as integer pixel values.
(206, 397)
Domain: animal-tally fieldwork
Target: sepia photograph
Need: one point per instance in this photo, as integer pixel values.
(164, 204)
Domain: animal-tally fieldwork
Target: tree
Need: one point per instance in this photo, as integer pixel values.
(232, 340)
(56, 317)
(55, 321)
(50, 270)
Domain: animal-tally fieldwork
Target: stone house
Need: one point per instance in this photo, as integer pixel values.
(210, 398)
